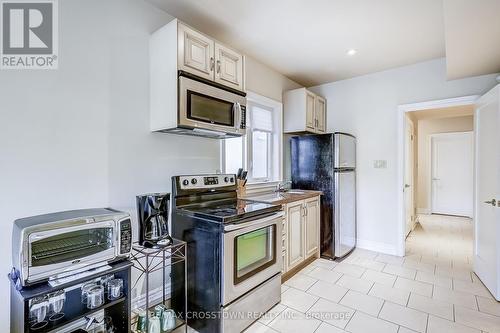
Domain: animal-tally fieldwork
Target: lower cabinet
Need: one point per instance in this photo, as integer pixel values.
(312, 226)
(302, 232)
(295, 218)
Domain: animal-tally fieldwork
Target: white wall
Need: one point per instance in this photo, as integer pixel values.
(426, 127)
(79, 136)
(265, 81)
(367, 107)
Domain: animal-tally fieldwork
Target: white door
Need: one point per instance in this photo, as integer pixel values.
(196, 52)
(486, 261)
(295, 221)
(320, 114)
(452, 174)
(409, 179)
(228, 67)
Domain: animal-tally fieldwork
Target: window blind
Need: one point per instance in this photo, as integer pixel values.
(261, 118)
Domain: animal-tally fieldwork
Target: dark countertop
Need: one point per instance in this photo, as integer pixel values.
(281, 198)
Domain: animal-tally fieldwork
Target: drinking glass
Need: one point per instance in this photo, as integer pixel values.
(38, 312)
(115, 289)
(95, 297)
(56, 304)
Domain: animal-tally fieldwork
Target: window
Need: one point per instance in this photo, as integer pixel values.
(259, 151)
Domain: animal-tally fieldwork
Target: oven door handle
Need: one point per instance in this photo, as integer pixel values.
(260, 222)
(39, 235)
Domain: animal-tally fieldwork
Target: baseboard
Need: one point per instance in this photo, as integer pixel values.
(376, 246)
(425, 211)
(155, 297)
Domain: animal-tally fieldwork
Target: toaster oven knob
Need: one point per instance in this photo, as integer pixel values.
(194, 181)
(185, 182)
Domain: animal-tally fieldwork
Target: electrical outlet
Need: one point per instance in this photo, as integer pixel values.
(380, 164)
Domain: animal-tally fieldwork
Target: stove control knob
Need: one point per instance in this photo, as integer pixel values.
(185, 182)
(226, 179)
(194, 181)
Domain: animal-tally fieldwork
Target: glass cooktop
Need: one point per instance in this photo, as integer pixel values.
(230, 210)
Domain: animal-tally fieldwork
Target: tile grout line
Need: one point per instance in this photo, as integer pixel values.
(378, 314)
(345, 327)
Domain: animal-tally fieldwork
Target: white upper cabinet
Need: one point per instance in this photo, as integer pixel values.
(310, 115)
(304, 111)
(228, 67)
(201, 55)
(196, 52)
(320, 111)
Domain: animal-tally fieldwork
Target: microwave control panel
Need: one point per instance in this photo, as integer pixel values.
(243, 117)
(125, 236)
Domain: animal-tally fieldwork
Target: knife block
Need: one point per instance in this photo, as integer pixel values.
(241, 188)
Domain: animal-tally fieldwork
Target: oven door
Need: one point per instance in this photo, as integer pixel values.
(208, 107)
(251, 255)
(57, 252)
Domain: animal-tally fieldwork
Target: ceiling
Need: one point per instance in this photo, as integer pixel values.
(308, 40)
(472, 37)
(449, 112)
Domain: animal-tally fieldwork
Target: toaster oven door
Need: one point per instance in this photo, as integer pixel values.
(56, 251)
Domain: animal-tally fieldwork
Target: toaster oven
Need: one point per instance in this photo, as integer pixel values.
(58, 245)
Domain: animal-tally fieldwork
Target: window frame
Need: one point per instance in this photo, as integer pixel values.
(275, 154)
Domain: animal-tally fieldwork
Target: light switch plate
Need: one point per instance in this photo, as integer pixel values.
(380, 164)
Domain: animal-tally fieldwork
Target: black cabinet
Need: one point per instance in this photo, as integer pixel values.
(119, 309)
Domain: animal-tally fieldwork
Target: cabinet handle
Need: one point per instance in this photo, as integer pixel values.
(218, 66)
(212, 63)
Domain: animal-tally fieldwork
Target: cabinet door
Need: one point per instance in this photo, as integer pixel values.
(228, 67)
(195, 52)
(312, 213)
(310, 116)
(295, 234)
(320, 110)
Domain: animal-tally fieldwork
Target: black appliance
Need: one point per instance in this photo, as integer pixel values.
(152, 214)
(327, 163)
(233, 253)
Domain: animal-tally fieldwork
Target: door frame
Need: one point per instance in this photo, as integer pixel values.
(410, 123)
(430, 198)
(402, 110)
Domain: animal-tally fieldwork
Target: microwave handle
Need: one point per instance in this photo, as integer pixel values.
(237, 115)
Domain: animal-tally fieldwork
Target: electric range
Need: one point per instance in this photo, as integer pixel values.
(229, 211)
(234, 252)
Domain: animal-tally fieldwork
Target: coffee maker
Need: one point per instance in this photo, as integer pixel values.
(152, 214)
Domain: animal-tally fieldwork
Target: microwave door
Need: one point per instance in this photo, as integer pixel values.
(202, 106)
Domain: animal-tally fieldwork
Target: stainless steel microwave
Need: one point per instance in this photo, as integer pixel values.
(209, 110)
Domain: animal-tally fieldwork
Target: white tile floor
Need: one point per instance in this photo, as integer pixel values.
(431, 290)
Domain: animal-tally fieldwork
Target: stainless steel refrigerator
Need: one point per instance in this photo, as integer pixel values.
(327, 163)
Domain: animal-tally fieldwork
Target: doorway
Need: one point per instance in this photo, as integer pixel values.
(423, 123)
